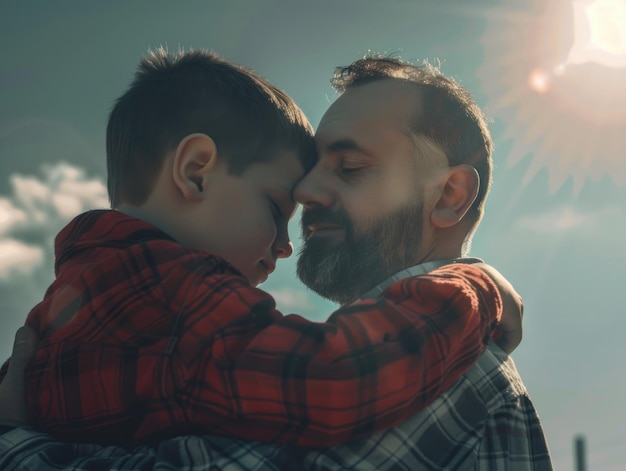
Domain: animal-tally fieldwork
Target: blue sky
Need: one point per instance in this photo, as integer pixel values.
(555, 219)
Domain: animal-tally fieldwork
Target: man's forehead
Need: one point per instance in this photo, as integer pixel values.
(388, 102)
(385, 99)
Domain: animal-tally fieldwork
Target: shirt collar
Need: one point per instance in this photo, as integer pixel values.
(415, 270)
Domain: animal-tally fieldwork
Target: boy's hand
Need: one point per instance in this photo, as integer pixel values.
(509, 333)
(12, 395)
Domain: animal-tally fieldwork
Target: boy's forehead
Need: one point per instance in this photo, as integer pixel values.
(285, 170)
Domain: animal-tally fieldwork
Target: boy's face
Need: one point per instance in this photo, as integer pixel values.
(246, 216)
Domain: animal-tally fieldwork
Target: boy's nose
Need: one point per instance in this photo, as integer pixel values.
(283, 247)
(314, 190)
(285, 251)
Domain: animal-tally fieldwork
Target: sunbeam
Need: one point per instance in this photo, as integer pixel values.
(554, 72)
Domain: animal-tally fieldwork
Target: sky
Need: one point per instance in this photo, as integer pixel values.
(548, 74)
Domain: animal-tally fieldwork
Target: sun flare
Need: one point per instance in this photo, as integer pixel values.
(607, 21)
(554, 72)
(599, 33)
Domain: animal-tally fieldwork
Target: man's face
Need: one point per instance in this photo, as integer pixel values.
(364, 211)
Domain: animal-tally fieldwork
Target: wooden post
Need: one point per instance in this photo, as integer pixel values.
(580, 453)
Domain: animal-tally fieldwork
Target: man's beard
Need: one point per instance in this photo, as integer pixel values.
(342, 270)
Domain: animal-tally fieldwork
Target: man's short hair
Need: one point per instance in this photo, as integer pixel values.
(173, 96)
(450, 118)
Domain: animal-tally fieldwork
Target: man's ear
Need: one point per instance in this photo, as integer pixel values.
(195, 158)
(458, 189)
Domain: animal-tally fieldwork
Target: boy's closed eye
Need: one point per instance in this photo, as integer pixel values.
(276, 209)
(283, 205)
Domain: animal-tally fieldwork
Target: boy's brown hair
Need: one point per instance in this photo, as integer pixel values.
(173, 96)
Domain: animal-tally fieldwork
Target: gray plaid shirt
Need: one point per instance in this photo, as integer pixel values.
(485, 422)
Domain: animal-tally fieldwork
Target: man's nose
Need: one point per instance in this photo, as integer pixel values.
(314, 190)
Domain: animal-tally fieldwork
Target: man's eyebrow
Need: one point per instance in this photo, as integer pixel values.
(345, 144)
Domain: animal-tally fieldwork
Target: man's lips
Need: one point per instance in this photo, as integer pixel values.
(323, 230)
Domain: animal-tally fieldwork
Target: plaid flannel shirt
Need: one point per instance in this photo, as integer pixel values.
(485, 422)
(144, 339)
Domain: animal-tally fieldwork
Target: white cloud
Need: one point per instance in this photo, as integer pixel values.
(18, 259)
(66, 206)
(10, 216)
(599, 231)
(37, 209)
(31, 195)
(45, 204)
(559, 220)
(30, 217)
(570, 220)
(289, 298)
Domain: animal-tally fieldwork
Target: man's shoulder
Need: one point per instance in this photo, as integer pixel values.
(448, 274)
(495, 377)
(513, 430)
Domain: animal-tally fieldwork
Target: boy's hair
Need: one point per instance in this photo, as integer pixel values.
(450, 118)
(173, 96)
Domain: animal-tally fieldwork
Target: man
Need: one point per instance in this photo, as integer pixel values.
(399, 189)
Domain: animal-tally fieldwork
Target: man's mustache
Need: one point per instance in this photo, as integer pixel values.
(315, 217)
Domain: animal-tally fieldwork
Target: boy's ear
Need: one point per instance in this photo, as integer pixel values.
(458, 189)
(195, 158)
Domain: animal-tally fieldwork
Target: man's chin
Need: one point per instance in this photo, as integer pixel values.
(318, 247)
(323, 266)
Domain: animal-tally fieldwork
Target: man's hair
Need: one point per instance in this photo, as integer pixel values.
(173, 96)
(450, 118)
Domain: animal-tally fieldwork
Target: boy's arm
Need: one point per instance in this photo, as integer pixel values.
(242, 369)
(12, 395)
(12, 400)
(508, 334)
(372, 365)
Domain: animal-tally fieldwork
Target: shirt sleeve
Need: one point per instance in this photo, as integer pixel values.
(269, 377)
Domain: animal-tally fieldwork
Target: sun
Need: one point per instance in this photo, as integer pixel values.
(599, 33)
(555, 73)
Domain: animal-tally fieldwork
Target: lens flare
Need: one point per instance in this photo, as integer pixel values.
(599, 33)
(554, 73)
(539, 81)
(607, 21)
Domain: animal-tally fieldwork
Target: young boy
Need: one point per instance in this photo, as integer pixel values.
(153, 327)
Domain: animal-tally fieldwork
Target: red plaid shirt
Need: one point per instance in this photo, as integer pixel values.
(143, 339)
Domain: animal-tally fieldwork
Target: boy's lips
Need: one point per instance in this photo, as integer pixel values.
(265, 269)
(268, 266)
